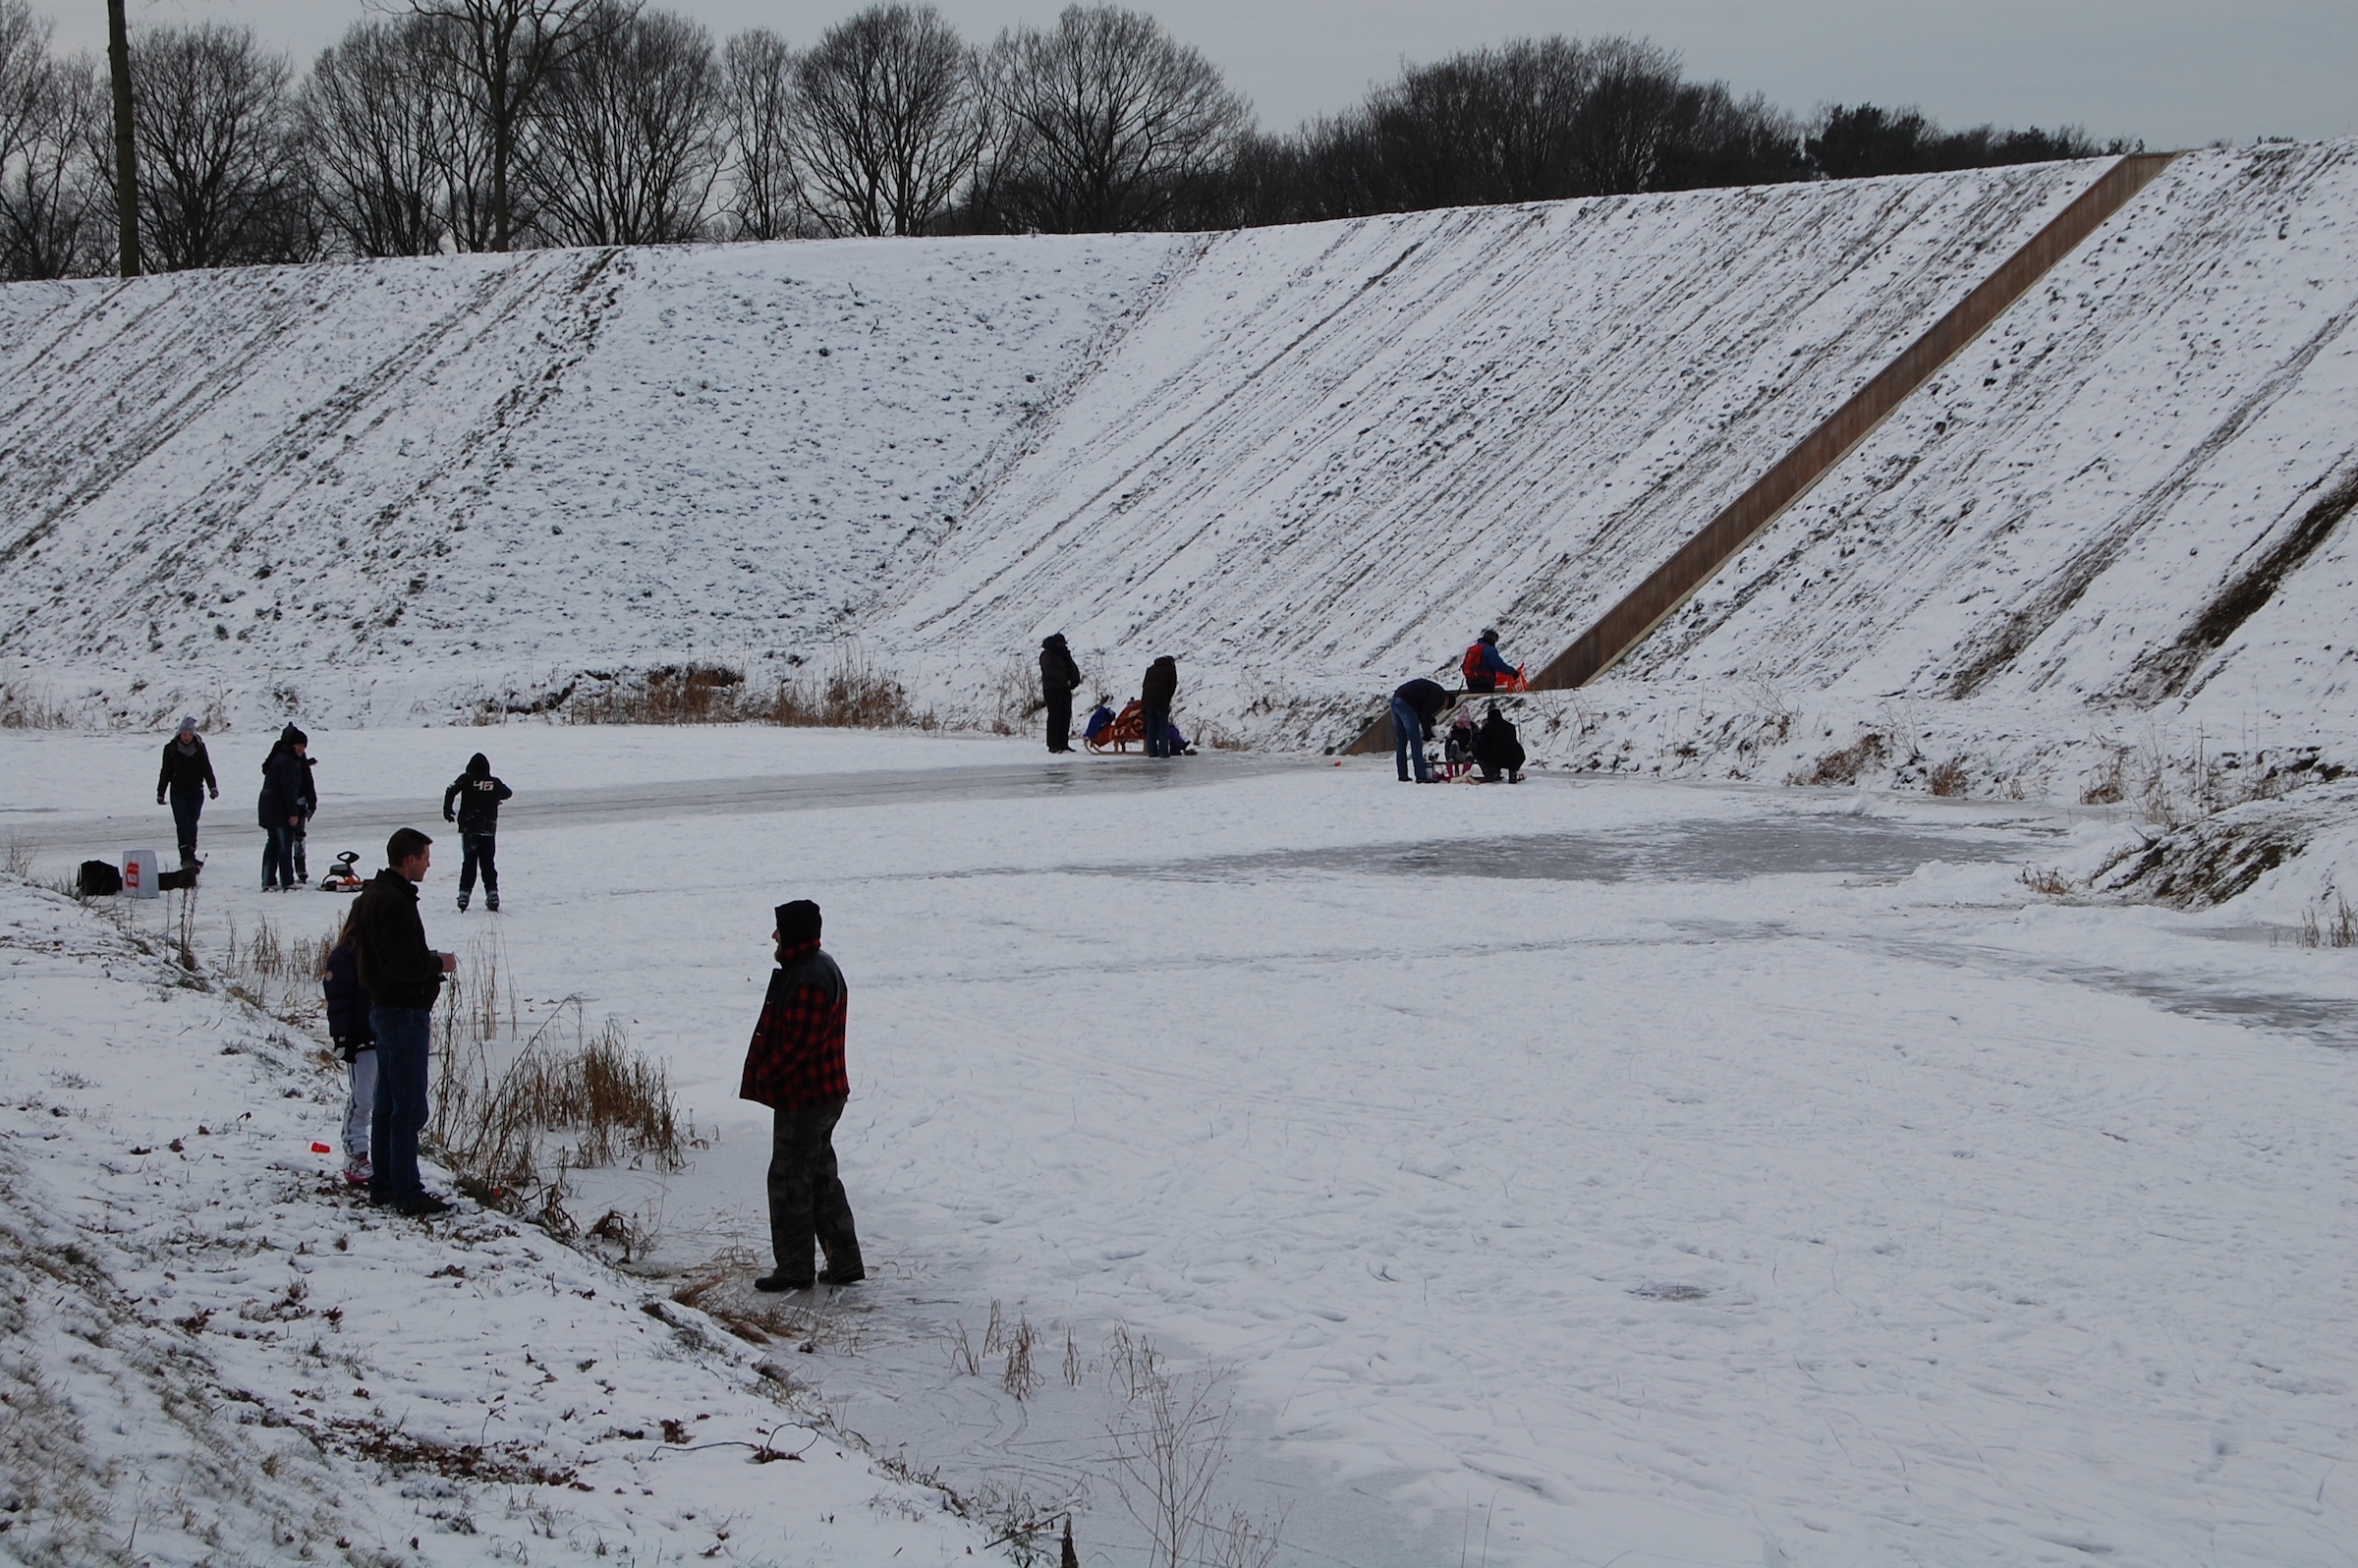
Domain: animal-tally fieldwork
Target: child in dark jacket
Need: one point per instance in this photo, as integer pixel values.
(472, 802)
(347, 1026)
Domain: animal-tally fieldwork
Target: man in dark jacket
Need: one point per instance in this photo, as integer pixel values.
(286, 789)
(1058, 675)
(1156, 696)
(476, 796)
(188, 773)
(795, 1067)
(1497, 750)
(403, 977)
(1415, 708)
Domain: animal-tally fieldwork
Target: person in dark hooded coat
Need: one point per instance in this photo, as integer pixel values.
(1059, 675)
(1497, 750)
(1155, 695)
(472, 802)
(285, 801)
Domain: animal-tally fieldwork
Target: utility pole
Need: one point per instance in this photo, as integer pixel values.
(127, 174)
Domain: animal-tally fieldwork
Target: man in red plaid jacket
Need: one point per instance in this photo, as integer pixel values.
(795, 1067)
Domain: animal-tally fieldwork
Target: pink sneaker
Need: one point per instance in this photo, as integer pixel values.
(359, 1173)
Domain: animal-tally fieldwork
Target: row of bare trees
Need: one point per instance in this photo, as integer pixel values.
(484, 125)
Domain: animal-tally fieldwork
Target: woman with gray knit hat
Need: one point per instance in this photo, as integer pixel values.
(186, 773)
(795, 1067)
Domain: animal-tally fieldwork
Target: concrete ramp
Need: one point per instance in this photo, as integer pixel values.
(1676, 579)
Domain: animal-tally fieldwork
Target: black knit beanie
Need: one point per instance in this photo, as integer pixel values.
(797, 923)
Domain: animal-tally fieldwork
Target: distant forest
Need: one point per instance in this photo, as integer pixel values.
(491, 125)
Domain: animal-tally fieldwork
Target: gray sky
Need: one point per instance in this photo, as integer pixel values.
(2178, 72)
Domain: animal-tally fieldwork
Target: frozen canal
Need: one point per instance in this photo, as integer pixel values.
(1579, 1173)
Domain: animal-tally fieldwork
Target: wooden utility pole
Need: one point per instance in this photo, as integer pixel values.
(127, 173)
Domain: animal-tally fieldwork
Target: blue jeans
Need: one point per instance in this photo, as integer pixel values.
(480, 852)
(186, 807)
(403, 1036)
(278, 854)
(1408, 741)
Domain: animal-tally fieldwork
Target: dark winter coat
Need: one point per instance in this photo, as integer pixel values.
(476, 795)
(189, 770)
(347, 1001)
(1427, 699)
(286, 788)
(1495, 746)
(1161, 684)
(795, 1061)
(394, 965)
(1057, 670)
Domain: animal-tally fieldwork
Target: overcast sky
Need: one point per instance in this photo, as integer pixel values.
(2178, 72)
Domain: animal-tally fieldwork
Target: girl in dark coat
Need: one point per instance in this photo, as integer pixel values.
(347, 1026)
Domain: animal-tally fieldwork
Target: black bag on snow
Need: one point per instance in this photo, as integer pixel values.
(99, 878)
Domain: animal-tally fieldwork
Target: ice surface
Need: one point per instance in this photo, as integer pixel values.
(1733, 1189)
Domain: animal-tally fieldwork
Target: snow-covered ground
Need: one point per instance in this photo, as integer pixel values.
(1593, 1172)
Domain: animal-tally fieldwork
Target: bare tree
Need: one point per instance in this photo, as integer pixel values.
(629, 143)
(212, 129)
(45, 110)
(54, 197)
(508, 50)
(757, 74)
(887, 123)
(1104, 122)
(375, 120)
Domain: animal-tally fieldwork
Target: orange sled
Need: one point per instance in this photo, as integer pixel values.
(1128, 729)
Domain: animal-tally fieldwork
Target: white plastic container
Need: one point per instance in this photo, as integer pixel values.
(139, 872)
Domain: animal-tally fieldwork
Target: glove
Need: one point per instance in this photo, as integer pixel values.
(159, 799)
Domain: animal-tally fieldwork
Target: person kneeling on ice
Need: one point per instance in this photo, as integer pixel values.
(347, 1026)
(1497, 750)
(795, 1066)
(476, 795)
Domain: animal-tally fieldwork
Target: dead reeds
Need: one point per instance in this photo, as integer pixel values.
(853, 694)
(495, 1115)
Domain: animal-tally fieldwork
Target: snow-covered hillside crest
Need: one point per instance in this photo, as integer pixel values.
(215, 1353)
(377, 493)
(1309, 462)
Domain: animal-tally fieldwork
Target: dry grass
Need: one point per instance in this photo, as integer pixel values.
(15, 855)
(852, 695)
(1865, 755)
(23, 707)
(2049, 883)
(719, 1290)
(493, 1122)
(2320, 926)
(1950, 779)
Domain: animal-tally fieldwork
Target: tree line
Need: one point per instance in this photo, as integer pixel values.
(489, 125)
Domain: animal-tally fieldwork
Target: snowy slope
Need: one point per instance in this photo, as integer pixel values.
(1332, 452)
(2120, 517)
(1307, 461)
(216, 1353)
(358, 485)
